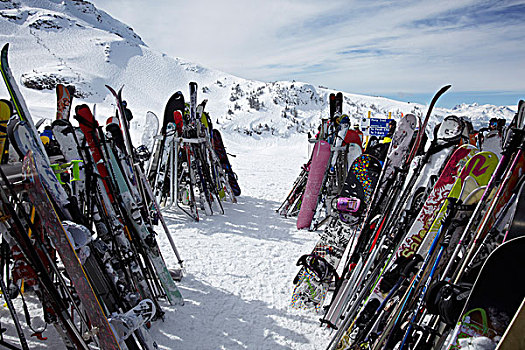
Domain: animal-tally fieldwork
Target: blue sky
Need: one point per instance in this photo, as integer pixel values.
(400, 49)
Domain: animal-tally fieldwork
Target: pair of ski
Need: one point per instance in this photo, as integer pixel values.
(46, 184)
(189, 162)
(444, 255)
(36, 167)
(421, 228)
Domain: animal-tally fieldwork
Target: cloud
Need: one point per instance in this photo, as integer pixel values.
(356, 46)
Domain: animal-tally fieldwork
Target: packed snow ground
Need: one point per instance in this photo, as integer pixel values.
(239, 266)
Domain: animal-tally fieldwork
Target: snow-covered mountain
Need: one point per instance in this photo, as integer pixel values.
(72, 42)
(239, 266)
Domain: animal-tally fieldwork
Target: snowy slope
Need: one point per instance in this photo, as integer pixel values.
(240, 265)
(75, 43)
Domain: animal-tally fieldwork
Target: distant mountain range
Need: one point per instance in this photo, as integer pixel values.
(73, 42)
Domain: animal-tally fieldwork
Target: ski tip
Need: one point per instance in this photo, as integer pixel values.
(110, 89)
(6, 47)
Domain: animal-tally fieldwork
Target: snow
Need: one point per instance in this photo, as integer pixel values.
(239, 266)
(73, 42)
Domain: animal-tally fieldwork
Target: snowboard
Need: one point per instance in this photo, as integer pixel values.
(360, 182)
(175, 103)
(489, 310)
(220, 150)
(320, 158)
(513, 337)
(362, 179)
(151, 128)
(355, 145)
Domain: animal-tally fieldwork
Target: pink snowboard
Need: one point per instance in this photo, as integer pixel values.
(320, 159)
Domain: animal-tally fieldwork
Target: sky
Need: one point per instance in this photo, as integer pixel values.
(402, 49)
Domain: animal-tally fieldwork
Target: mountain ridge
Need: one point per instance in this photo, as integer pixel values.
(73, 42)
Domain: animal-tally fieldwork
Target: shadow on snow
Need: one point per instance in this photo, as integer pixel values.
(214, 319)
(249, 217)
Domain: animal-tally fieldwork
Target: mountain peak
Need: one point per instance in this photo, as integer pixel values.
(59, 15)
(74, 43)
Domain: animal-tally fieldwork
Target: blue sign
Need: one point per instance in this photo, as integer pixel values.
(378, 127)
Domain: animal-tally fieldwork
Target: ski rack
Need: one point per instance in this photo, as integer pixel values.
(194, 141)
(13, 171)
(174, 185)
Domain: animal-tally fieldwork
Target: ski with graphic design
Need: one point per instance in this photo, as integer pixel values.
(62, 241)
(64, 101)
(485, 165)
(6, 110)
(434, 201)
